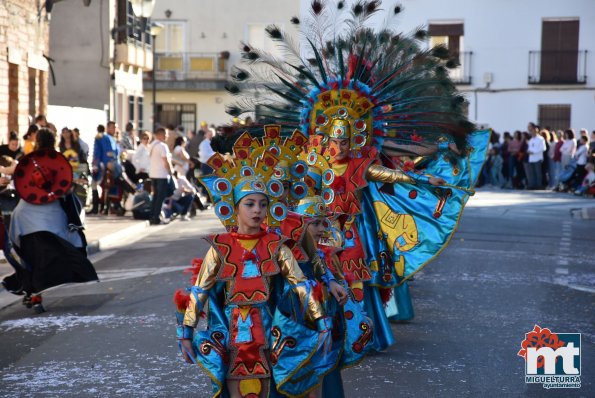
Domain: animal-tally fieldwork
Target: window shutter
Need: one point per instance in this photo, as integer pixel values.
(456, 29)
(559, 51)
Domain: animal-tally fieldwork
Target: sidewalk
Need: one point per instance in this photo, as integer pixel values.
(106, 231)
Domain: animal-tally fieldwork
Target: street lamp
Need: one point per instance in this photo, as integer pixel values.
(142, 8)
(155, 30)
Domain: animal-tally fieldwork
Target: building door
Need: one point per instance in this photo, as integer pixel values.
(177, 115)
(559, 51)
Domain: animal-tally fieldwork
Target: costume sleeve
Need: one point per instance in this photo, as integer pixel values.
(294, 276)
(199, 292)
(336, 268)
(309, 247)
(383, 174)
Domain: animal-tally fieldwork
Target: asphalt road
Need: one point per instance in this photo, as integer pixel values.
(518, 259)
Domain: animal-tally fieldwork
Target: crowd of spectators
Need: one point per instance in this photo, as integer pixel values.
(162, 167)
(542, 158)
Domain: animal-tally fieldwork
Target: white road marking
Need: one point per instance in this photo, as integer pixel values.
(131, 273)
(562, 271)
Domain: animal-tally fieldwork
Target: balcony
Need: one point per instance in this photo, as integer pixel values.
(189, 71)
(558, 67)
(462, 74)
(134, 53)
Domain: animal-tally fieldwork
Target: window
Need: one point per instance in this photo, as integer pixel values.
(172, 37)
(554, 116)
(451, 35)
(559, 51)
(177, 115)
(131, 28)
(32, 92)
(258, 38)
(140, 104)
(13, 97)
(131, 108)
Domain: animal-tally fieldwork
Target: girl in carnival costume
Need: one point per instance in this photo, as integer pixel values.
(380, 108)
(250, 349)
(352, 328)
(290, 171)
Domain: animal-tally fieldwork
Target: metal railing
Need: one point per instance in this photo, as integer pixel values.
(558, 67)
(462, 73)
(189, 66)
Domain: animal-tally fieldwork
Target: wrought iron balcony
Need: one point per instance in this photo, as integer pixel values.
(462, 74)
(189, 71)
(558, 67)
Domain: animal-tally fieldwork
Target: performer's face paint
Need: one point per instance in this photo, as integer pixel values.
(338, 149)
(251, 212)
(317, 228)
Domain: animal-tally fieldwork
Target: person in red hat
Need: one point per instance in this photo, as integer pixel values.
(46, 231)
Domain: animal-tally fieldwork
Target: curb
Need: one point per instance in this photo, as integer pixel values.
(113, 239)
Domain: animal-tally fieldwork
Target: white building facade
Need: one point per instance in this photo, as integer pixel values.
(521, 61)
(196, 50)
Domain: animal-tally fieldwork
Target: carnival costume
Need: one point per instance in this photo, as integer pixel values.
(245, 280)
(316, 262)
(351, 326)
(394, 103)
(45, 244)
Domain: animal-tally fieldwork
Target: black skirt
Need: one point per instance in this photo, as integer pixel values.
(51, 261)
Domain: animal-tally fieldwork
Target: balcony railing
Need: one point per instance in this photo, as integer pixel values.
(558, 67)
(190, 66)
(462, 74)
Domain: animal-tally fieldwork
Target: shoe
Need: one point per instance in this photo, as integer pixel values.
(185, 218)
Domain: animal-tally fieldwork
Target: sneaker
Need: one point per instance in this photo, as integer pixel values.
(185, 217)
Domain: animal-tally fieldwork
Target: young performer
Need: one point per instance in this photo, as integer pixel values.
(250, 348)
(45, 231)
(352, 328)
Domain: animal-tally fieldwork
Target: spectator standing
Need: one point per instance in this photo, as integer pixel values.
(12, 149)
(179, 157)
(555, 159)
(545, 165)
(41, 122)
(205, 151)
(506, 177)
(29, 139)
(496, 178)
(82, 144)
(107, 153)
(568, 148)
(70, 148)
(142, 159)
(524, 158)
(535, 149)
(128, 139)
(514, 147)
(160, 172)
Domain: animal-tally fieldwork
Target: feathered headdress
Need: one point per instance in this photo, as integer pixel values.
(377, 88)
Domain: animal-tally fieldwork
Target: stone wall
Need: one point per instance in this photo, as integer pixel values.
(24, 39)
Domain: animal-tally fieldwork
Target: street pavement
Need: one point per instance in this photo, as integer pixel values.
(518, 259)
